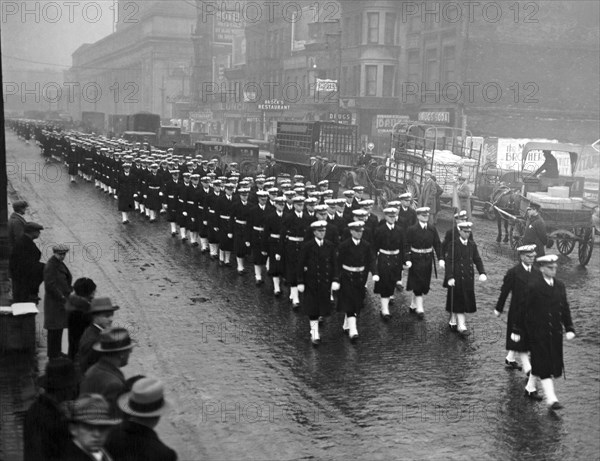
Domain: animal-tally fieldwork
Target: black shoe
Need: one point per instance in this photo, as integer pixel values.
(385, 317)
(512, 365)
(184, 239)
(228, 264)
(533, 396)
(195, 244)
(412, 310)
(221, 263)
(354, 338)
(453, 327)
(420, 315)
(126, 221)
(295, 306)
(173, 234)
(206, 250)
(242, 272)
(555, 406)
(259, 282)
(321, 319)
(277, 294)
(464, 333)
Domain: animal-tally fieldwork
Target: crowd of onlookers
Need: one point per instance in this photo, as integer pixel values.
(86, 408)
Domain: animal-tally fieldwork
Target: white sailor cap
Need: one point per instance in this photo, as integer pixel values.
(391, 211)
(262, 193)
(526, 248)
(423, 210)
(394, 204)
(405, 196)
(331, 202)
(321, 209)
(349, 193)
(548, 259)
(310, 201)
(360, 213)
(356, 225)
(461, 214)
(321, 224)
(272, 190)
(367, 202)
(465, 225)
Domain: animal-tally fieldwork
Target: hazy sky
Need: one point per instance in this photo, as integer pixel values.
(44, 34)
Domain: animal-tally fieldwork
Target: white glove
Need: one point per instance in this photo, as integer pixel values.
(205, 223)
(160, 194)
(451, 282)
(248, 244)
(570, 335)
(496, 313)
(277, 257)
(335, 286)
(482, 277)
(442, 264)
(407, 265)
(301, 288)
(216, 229)
(376, 278)
(145, 196)
(229, 236)
(184, 213)
(399, 283)
(135, 195)
(264, 253)
(515, 337)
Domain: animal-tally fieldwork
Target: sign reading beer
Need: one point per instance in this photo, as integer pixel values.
(385, 123)
(434, 117)
(273, 104)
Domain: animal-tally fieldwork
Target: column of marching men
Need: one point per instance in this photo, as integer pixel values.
(323, 247)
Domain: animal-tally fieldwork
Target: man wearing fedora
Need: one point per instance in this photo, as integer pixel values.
(26, 269)
(101, 312)
(78, 306)
(90, 421)
(135, 439)
(45, 429)
(57, 284)
(105, 376)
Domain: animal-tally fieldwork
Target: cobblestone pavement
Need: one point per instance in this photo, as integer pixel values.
(246, 383)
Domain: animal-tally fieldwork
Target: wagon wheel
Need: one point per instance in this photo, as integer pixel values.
(386, 196)
(517, 231)
(490, 213)
(412, 187)
(247, 168)
(564, 244)
(586, 245)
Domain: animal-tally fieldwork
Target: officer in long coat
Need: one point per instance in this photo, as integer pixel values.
(355, 260)
(258, 238)
(153, 202)
(126, 191)
(274, 244)
(536, 230)
(422, 241)
(317, 277)
(388, 244)
(546, 315)
(293, 235)
(57, 285)
(460, 278)
(224, 211)
(25, 266)
(241, 231)
(172, 197)
(515, 283)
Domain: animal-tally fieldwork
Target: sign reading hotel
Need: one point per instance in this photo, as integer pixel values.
(323, 85)
(273, 104)
(227, 22)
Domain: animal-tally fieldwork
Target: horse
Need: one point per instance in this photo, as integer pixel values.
(507, 200)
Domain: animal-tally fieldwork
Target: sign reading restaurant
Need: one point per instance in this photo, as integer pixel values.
(273, 104)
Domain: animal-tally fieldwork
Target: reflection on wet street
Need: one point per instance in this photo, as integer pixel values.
(247, 384)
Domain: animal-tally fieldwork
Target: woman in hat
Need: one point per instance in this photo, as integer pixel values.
(460, 278)
(57, 285)
(77, 307)
(544, 320)
(135, 438)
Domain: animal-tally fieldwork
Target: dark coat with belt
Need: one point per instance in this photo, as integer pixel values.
(459, 266)
(26, 269)
(106, 379)
(45, 431)
(352, 284)
(547, 312)
(515, 282)
(317, 269)
(130, 441)
(57, 283)
(535, 233)
(419, 275)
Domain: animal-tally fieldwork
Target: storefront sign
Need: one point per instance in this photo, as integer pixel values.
(326, 85)
(434, 117)
(385, 123)
(274, 104)
(343, 118)
(204, 115)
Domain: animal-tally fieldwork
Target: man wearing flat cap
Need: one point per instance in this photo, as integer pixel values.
(105, 376)
(25, 267)
(546, 318)
(535, 231)
(57, 285)
(515, 283)
(135, 438)
(90, 421)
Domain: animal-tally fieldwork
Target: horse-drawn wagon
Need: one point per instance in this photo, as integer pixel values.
(568, 220)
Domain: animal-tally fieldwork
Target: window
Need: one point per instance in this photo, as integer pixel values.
(356, 81)
(388, 81)
(346, 32)
(431, 68)
(448, 72)
(370, 80)
(414, 65)
(373, 31)
(390, 28)
(344, 84)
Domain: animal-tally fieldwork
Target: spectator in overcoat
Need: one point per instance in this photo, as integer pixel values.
(57, 284)
(25, 266)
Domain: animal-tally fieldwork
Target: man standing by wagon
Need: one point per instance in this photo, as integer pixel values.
(423, 240)
(428, 197)
(535, 233)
